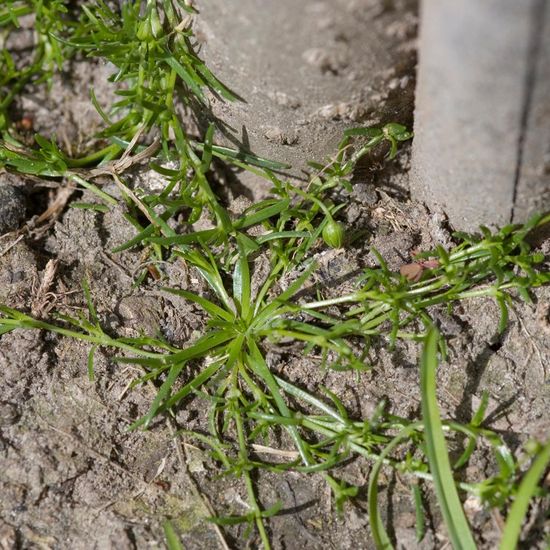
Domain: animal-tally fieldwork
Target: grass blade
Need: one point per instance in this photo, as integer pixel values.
(379, 534)
(172, 539)
(258, 364)
(528, 486)
(163, 393)
(419, 510)
(211, 308)
(436, 451)
(247, 158)
(264, 214)
(241, 281)
(91, 355)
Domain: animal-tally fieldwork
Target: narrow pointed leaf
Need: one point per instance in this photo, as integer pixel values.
(436, 451)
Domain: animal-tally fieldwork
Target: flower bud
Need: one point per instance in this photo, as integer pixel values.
(333, 234)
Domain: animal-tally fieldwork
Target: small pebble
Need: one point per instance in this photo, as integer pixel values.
(12, 208)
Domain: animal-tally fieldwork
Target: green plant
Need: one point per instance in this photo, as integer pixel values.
(442, 471)
(492, 264)
(50, 17)
(156, 66)
(158, 76)
(249, 400)
(436, 450)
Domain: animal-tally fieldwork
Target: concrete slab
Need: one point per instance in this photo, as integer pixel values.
(533, 190)
(306, 70)
(474, 60)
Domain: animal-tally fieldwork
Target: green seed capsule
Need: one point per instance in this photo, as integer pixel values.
(333, 234)
(156, 25)
(144, 32)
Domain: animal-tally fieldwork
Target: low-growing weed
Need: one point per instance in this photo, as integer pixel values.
(158, 76)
